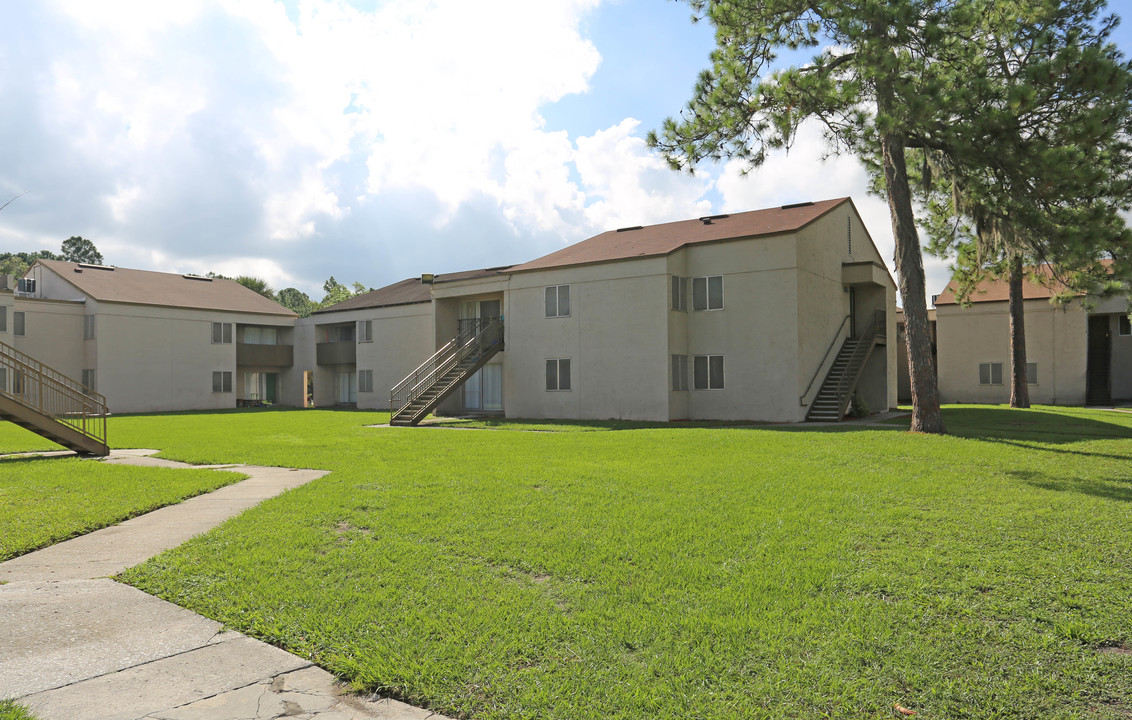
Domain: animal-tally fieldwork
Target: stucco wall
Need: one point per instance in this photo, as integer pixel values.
(53, 334)
(155, 358)
(614, 338)
(1056, 339)
(1121, 361)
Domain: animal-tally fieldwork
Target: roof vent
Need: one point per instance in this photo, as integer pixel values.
(427, 278)
(627, 229)
(706, 219)
(92, 266)
(797, 205)
(190, 276)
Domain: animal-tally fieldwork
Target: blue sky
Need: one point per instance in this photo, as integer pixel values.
(371, 141)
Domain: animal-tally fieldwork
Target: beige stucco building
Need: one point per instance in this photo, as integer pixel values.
(728, 317)
(732, 317)
(1075, 355)
(153, 341)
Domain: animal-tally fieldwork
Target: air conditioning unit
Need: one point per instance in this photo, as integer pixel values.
(26, 286)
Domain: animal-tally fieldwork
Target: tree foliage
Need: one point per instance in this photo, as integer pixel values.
(936, 77)
(296, 301)
(78, 249)
(336, 292)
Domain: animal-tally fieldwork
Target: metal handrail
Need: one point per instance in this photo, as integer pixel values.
(832, 344)
(50, 393)
(864, 344)
(478, 335)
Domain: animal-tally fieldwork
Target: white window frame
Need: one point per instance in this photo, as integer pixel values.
(19, 323)
(706, 282)
(221, 381)
(990, 371)
(365, 380)
(552, 299)
(221, 333)
(714, 377)
(679, 373)
(679, 293)
(364, 333)
(554, 382)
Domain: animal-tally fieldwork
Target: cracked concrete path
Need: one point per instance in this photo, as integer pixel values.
(76, 645)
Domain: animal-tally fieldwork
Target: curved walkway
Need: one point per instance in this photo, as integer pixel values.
(76, 645)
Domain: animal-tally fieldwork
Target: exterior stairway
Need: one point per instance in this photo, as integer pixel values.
(836, 391)
(36, 397)
(438, 377)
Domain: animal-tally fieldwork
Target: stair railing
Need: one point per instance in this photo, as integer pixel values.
(875, 329)
(836, 342)
(476, 337)
(51, 393)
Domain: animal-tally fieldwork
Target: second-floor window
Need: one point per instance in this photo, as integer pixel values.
(558, 301)
(261, 336)
(221, 333)
(365, 331)
(680, 293)
(707, 293)
(18, 324)
(88, 327)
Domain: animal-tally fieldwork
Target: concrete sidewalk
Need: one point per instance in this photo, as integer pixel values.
(75, 645)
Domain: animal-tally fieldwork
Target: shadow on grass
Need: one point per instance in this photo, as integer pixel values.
(1119, 490)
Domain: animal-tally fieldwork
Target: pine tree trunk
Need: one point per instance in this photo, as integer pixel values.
(926, 415)
(1019, 389)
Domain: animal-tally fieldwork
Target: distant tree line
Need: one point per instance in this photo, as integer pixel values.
(74, 249)
(296, 300)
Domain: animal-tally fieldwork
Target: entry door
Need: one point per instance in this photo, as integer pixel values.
(271, 387)
(1098, 362)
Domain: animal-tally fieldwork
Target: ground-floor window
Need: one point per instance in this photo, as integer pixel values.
(707, 372)
(558, 374)
(990, 373)
(345, 387)
(365, 380)
(1031, 373)
(261, 386)
(679, 372)
(88, 380)
(1124, 326)
(222, 381)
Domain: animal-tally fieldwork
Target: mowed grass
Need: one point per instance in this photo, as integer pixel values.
(46, 500)
(9, 710)
(681, 572)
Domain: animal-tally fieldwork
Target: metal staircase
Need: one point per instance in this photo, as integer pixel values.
(36, 397)
(438, 377)
(833, 398)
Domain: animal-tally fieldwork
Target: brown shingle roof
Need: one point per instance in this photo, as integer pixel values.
(998, 289)
(144, 287)
(406, 292)
(631, 243)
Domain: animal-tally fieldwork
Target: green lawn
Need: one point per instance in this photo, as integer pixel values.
(46, 500)
(681, 572)
(9, 710)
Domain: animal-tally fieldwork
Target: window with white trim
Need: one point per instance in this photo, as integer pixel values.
(707, 293)
(558, 374)
(679, 293)
(221, 333)
(365, 332)
(990, 373)
(18, 326)
(1124, 326)
(558, 301)
(679, 372)
(707, 372)
(222, 381)
(365, 379)
(88, 327)
(89, 380)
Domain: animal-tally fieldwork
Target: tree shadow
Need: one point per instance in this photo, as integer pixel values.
(1114, 489)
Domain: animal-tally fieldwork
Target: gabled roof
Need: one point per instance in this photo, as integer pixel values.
(144, 287)
(653, 240)
(991, 289)
(406, 292)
